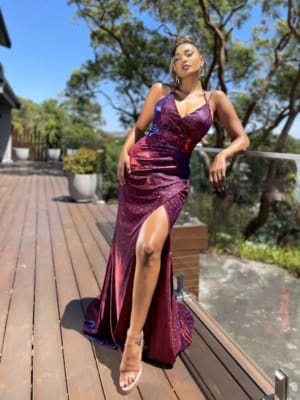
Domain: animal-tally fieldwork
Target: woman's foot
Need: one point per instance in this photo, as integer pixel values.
(131, 364)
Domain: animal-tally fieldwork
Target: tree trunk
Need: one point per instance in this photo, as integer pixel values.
(262, 216)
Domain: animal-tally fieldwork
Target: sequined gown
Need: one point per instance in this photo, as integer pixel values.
(159, 176)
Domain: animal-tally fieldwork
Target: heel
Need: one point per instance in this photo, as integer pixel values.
(131, 364)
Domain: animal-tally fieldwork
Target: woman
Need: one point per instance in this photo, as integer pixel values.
(153, 171)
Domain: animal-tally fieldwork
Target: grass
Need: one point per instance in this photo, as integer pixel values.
(285, 257)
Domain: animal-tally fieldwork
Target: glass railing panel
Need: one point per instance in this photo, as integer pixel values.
(249, 276)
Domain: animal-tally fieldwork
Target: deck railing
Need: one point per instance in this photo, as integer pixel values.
(260, 207)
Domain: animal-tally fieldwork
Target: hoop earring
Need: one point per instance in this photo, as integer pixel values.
(202, 70)
(177, 80)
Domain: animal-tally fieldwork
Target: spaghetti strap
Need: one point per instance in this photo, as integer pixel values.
(207, 98)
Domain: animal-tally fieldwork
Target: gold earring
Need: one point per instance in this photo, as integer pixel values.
(177, 80)
(202, 70)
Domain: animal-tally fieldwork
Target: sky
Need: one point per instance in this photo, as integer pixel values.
(48, 44)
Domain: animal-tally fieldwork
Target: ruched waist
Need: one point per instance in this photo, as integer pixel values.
(159, 156)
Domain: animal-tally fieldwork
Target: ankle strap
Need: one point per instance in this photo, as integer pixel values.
(136, 338)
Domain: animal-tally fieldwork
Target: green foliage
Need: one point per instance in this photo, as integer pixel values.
(225, 243)
(61, 125)
(241, 62)
(132, 41)
(54, 123)
(127, 52)
(80, 102)
(27, 117)
(227, 214)
(84, 161)
(286, 257)
(78, 135)
(111, 147)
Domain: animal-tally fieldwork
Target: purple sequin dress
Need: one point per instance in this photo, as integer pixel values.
(159, 176)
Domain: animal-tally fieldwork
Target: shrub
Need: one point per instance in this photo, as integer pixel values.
(286, 257)
(84, 161)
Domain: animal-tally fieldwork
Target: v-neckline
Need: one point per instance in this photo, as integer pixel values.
(190, 113)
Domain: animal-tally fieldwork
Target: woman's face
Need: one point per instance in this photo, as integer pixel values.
(187, 60)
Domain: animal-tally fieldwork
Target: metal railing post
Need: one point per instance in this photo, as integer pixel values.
(180, 285)
(281, 386)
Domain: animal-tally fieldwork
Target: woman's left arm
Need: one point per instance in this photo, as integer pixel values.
(224, 111)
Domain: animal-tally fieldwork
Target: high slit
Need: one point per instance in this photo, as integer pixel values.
(159, 177)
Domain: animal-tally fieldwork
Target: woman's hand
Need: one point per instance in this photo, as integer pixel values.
(123, 165)
(217, 172)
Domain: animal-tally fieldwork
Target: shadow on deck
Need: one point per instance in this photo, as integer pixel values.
(53, 258)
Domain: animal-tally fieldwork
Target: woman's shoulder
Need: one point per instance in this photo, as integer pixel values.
(217, 99)
(160, 89)
(215, 94)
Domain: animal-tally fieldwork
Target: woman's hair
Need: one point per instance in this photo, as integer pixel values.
(178, 41)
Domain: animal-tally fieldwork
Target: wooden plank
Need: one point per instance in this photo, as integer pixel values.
(82, 375)
(11, 227)
(99, 253)
(83, 248)
(8, 205)
(187, 263)
(189, 237)
(71, 229)
(107, 230)
(154, 385)
(183, 383)
(109, 363)
(16, 355)
(48, 364)
(221, 384)
(72, 223)
(97, 217)
(111, 388)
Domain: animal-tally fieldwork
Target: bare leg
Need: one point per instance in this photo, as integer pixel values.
(149, 245)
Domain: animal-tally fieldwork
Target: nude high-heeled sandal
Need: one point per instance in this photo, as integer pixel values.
(132, 362)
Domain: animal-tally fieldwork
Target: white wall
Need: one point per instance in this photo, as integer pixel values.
(5, 134)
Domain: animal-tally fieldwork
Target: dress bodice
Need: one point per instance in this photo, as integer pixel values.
(168, 145)
(184, 132)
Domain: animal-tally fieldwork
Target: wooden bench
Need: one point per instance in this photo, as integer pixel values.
(187, 241)
(221, 369)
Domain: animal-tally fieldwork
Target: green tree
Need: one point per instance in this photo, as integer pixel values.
(80, 103)
(27, 117)
(131, 41)
(127, 53)
(260, 76)
(54, 122)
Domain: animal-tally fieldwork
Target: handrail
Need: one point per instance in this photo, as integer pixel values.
(254, 153)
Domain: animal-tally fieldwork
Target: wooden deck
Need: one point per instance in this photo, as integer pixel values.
(53, 258)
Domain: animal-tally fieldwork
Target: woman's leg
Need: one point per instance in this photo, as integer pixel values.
(149, 246)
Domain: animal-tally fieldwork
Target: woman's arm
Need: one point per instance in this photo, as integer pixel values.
(156, 91)
(224, 111)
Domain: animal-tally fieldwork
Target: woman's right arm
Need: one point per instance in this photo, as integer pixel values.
(156, 91)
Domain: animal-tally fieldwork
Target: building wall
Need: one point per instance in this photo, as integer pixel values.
(5, 134)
